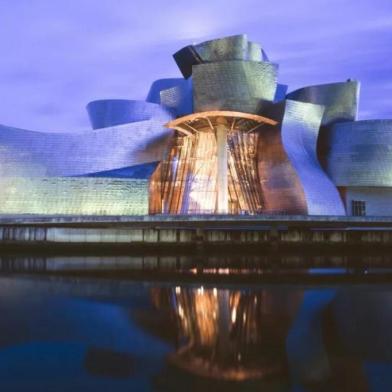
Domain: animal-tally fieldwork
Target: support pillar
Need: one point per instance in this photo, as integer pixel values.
(222, 199)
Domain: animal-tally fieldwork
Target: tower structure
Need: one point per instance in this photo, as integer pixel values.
(212, 165)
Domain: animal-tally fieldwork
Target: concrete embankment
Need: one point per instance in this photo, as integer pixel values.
(189, 231)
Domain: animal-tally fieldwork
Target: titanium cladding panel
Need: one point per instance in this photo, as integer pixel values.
(178, 99)
(300, 127)
(35, 154)
(360, 153)
(73, 196)
(339, 99)
(233, 85)
(154, 94)
(236, 47)
(110, 112)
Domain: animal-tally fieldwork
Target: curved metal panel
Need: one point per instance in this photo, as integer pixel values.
(236, 47)
(280, 93)
(178, 99)
(233, 85)
(360, 153)
(255, 52)
(110, 112)
(138, 172)
(35, 154)
(339, 99)
(154, 94)
(280, 185)
(300, 127)
(228, 48)
(73, 196)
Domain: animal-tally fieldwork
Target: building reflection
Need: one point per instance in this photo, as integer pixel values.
(230, 335)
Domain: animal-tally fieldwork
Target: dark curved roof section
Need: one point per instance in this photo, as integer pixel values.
(110, 112)
(339, 99)
(360, 153)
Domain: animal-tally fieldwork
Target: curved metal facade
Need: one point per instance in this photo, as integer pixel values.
(35, 154)
(233, 85)
(236, 47)
(73, 196)
(154, 94)
(235, 165)
(339, 99)
(174, 95)
(360, 153)
(110, 112)
(300, 127)
(280, 184)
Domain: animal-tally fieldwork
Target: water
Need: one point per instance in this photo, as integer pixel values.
(83, 332)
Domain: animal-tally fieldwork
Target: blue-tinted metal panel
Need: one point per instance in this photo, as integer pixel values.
(154, 95)
(137, 172)
(110, 112)
(233, 85)
(178, 99)
(36, 154)
(280, 93)
(360, 153)
(300, 127)
(339, 99)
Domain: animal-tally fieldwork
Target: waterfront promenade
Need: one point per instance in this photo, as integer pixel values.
(190, 230)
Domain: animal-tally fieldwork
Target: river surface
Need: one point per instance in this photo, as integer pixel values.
(88, 333)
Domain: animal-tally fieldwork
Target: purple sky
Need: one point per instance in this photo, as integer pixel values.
(57, 55)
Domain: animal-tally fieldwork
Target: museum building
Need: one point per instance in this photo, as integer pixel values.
(225, 138)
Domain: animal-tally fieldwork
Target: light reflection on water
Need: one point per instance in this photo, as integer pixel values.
(73, 333)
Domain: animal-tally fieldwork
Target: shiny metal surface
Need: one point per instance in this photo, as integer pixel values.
(35, 154)
(154, 94)
(236, 47)
(110, 112)
(280, 185)
(339, 99)
(360, 153)
(73, 196)
(300, 128)
(178, 99)
(233, 85)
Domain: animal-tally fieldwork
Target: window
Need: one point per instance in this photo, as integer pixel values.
(358, 208)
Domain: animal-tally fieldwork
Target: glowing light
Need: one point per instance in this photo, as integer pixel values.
(200, 291)
(234, 315)
(178, 290)
(180, 311)
(215, 292)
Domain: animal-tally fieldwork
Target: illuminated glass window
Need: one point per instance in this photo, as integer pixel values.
(358, 208)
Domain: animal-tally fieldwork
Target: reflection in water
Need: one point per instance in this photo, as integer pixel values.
(94, 334)
(229, 334)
